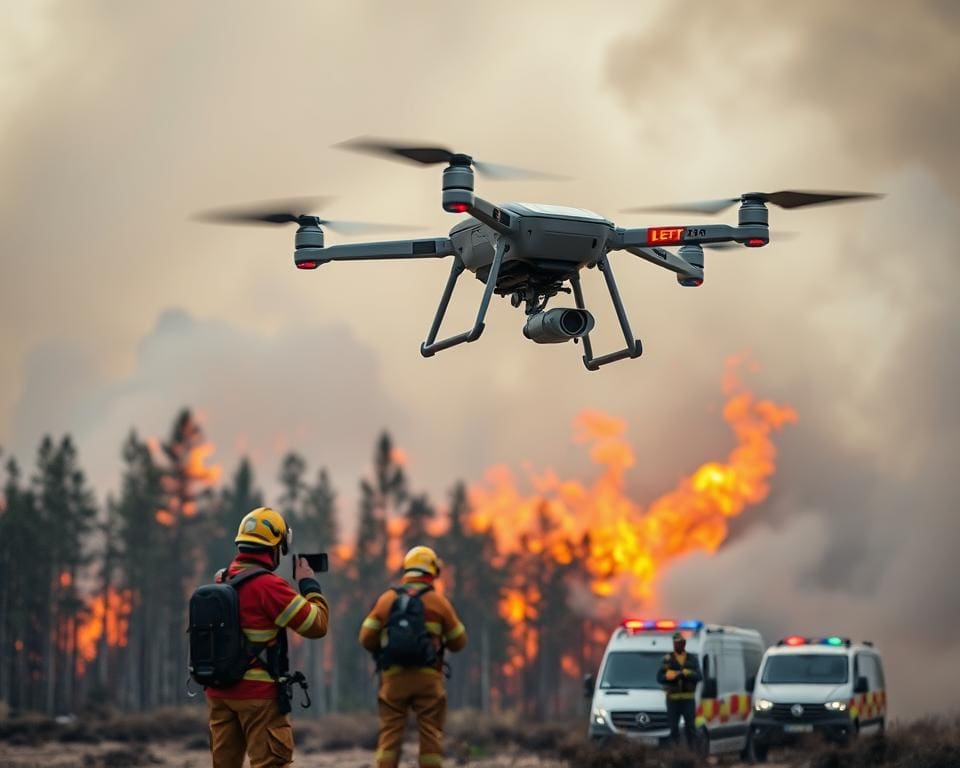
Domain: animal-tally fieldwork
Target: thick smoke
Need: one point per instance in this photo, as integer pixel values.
(860, 534)
(120, 120)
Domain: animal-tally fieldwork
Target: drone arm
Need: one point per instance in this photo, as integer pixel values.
(433, 248)
(698, 234)
(495, 218)
(663, 258)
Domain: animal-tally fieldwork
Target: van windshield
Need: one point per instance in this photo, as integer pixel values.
(806, 668)
(632, 669)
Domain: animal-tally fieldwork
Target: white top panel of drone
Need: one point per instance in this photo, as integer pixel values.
(553, 211)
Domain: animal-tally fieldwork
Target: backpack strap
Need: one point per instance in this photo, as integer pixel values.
(402, 589)
(244, 575)
(272, 662)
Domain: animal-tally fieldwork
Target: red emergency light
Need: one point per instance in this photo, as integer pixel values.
(662, 625)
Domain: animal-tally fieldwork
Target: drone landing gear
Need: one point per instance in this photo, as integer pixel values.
(634, 348)
(431, 346)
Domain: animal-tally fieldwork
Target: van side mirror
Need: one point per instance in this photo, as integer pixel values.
(588, 686)
(751, 683)
(862, 685)
(709, 688)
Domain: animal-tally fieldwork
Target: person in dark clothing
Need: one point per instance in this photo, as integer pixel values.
(679, 675)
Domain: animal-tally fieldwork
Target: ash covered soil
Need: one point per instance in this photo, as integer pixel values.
(115, 754)
(178, 738)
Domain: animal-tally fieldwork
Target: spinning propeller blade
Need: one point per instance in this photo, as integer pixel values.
(293, 211)
(432, 155)
(784, 199)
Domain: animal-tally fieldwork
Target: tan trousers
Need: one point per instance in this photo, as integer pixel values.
(425, 694)
(249, 726)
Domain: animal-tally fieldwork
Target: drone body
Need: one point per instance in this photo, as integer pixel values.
(532, 252)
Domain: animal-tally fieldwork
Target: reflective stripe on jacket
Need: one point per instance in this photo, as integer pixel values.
(268, 605)
(682, 686)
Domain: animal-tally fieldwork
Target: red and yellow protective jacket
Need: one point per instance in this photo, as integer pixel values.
(268, 605)
(441, 620)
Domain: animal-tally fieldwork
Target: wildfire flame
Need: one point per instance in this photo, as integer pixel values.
(107, 617)
(624, 546)
(197, 470)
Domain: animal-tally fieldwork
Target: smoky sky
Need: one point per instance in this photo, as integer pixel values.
(118, 121)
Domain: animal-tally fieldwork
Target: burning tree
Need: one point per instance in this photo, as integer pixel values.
(538, 565)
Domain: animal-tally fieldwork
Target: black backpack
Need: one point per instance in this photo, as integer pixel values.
(220, 654)
(407, 642)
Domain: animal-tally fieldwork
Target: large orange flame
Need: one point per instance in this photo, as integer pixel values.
(198, 472)
(623, 545)
(107, 617)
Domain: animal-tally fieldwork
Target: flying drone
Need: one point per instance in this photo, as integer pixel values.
(531, 252)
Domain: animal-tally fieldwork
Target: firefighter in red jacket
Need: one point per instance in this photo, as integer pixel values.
(246, 718)
(421, 689)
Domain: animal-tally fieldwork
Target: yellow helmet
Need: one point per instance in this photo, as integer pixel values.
(265, 527)
(422, 559)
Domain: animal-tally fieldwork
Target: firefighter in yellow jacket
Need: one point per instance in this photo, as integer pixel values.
(407, 631)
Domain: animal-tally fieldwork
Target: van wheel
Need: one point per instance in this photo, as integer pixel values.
(755, 752)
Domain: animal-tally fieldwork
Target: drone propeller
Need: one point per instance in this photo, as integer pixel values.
(438, 156)
(283, 212)
(785, 199)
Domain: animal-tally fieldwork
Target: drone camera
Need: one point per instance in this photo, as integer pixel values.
(558, 325)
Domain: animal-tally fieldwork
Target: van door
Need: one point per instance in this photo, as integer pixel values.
(869, 706)
(728, 729)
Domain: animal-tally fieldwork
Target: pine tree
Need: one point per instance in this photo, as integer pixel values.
(24, 575)
(380, 496)
(64, 505)
(292, 469)
(235, 501)
(316, 529)
(478, 577)
(141, 538)
(419, 513)
(187, 493)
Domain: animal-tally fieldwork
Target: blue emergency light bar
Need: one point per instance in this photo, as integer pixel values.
(661, 625)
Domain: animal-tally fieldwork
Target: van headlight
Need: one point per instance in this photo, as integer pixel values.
(836, 706)
(599, 716)
(762, 705)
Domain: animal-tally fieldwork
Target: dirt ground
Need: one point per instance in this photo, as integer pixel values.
(175, 755)
(120, 755)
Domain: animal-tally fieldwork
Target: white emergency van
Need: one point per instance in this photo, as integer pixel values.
(826, 685)
(626, 698)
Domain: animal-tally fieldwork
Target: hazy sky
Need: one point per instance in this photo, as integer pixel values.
(119, 120)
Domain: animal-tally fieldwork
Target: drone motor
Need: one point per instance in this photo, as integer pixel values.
(693, 255)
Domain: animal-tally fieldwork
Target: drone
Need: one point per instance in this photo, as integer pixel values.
(531, 252)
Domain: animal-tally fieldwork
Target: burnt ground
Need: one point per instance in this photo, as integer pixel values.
(177, 739)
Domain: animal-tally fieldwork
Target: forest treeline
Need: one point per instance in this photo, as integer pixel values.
(93, 593)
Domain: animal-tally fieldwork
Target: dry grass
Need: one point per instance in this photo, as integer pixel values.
(472, 738)
(927, 743)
